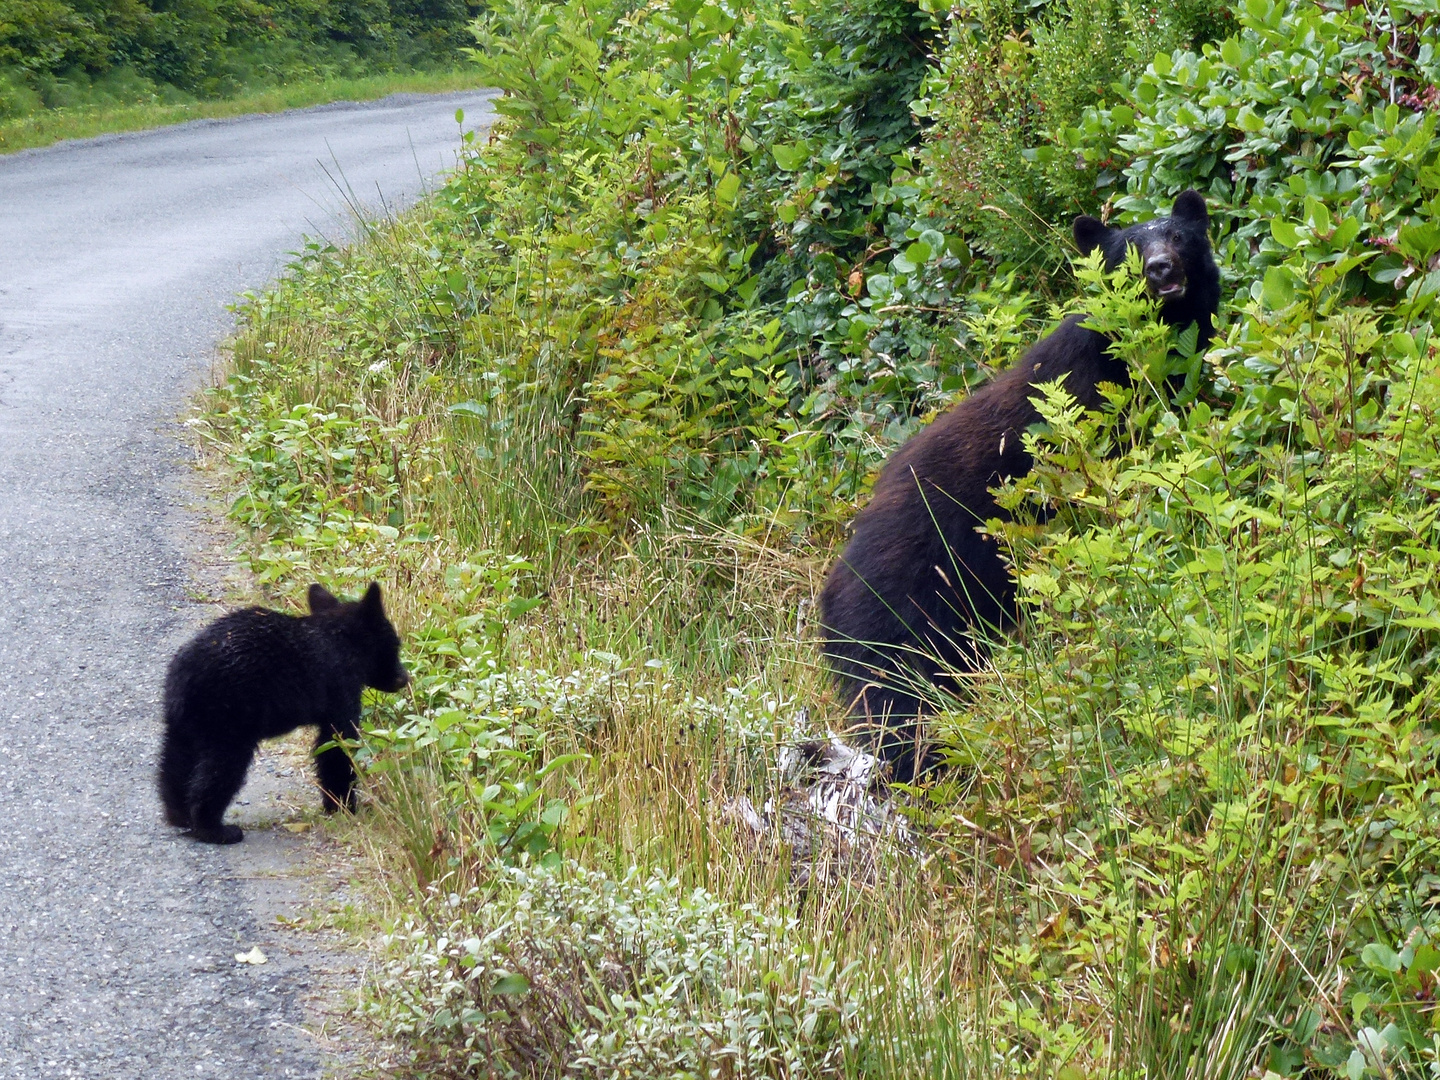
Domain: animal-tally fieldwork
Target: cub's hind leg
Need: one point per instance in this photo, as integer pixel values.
(217, 778)
(176, 768)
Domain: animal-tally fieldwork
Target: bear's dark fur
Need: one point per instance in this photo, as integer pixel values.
(256, 674)
(901, 607)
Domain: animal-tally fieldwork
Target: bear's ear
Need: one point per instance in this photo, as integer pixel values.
(321, 599)
(372, 602)
(1090, 233)
(1190, 206)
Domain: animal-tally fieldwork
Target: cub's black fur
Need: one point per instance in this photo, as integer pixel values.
(901, 607)
(256, 674)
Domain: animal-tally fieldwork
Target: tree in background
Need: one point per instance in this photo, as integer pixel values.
(63, 52)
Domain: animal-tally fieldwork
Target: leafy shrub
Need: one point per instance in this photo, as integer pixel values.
(557, 970)
(1310, 130)
(47, 35)
(1010, 78)
(761, 192)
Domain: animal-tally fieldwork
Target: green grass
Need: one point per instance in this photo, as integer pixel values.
(54, 125)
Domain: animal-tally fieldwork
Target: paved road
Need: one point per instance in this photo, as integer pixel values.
(117, 258)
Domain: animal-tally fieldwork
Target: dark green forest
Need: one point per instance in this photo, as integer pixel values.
(55, 53)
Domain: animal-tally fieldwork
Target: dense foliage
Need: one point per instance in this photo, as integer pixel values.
(64, 52)
(750, 158)
(1014, 76)
(598, 414)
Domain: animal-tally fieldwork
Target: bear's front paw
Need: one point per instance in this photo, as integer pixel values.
(224, 834)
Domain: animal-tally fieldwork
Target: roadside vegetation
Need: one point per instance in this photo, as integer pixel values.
(72, 68)
(597, 413)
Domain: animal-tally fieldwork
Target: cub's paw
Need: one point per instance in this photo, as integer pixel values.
(225, 834)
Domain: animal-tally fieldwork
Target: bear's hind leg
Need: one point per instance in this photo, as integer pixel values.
(889, 720)
(177, 765)
(334, 770)
(217, 778)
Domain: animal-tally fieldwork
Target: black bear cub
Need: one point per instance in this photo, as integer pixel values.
(255, 674)
(909, 602)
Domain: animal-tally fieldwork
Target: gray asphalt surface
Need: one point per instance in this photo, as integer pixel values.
(117, 259)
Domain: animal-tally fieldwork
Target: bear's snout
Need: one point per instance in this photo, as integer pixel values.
(398, 679)
(1164, 274)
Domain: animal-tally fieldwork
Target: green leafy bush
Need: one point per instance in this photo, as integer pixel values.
(1310, 130)
(761, 198)
(557, 970)
(1011, 77)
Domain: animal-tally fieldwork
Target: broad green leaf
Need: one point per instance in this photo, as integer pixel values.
(1381, 957)
(511, 985)
(1247, 120)
(727, 189)
(1284, 232)
(1427, 960)
(791, 156)
(1317, 214)
(918, 253)
(1278, 291)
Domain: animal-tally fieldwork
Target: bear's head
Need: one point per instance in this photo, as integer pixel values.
(363, 623)
(1175, 255)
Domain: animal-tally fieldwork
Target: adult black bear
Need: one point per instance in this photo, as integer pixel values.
(901, 607)
(256, 674)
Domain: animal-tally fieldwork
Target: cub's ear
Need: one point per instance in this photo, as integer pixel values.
(372, 601)
(1190, 206)
(1090, 233)
(321, 599)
